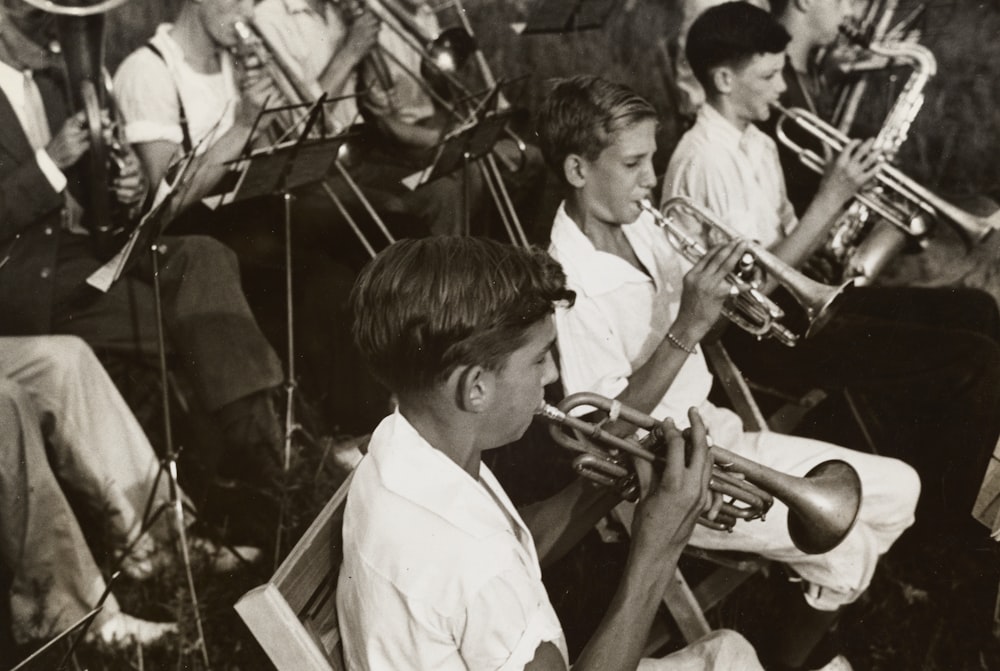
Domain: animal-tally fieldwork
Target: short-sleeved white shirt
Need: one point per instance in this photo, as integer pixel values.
(439, 570)
(147, 88)
(408, 102)
(620, 317)
(306, 41)
(735, 175)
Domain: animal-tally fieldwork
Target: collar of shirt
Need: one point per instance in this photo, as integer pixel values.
(410, 467)
(600, 272)
(750, 141)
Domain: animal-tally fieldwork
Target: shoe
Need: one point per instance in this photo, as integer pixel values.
(222, 559)
(122, 630)
(142, 561)
(838, 663)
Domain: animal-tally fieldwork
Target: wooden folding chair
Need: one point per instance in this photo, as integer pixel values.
(294, 615)
(688, 603)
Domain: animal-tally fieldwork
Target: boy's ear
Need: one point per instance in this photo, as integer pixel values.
(722, 79)
(575, 170)
(473, 388)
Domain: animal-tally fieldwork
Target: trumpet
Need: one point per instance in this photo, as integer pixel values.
(822, 506)
(916, 199)
(748, 307)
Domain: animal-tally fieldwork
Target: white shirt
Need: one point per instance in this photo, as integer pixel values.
(621, 315)
(439, 570)
(735, 175)
(147, 88)
(408, 102)
(306, 41)
(12, 84)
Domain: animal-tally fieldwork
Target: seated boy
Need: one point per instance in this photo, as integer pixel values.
(440, 571)
(634, 333)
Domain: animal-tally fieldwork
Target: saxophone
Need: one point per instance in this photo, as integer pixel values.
(861, 242)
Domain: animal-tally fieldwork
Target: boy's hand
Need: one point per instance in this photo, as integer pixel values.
(71, 142)
(848, 173)
(665, 517)
(706, 289)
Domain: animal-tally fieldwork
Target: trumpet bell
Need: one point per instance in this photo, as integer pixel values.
(824, 509)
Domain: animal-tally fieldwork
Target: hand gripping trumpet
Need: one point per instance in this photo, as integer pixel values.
(822, 506)
(748, 307)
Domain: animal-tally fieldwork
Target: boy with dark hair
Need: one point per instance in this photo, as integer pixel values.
(634, 331)
(923, 364)
(440, 571)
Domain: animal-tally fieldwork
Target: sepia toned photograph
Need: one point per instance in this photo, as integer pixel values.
(378, 335)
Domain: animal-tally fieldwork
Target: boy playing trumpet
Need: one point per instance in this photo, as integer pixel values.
(634, 334)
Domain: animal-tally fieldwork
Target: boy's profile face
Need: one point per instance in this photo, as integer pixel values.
(756, 85)
(519, 385)
(621, 175)
(826, 17)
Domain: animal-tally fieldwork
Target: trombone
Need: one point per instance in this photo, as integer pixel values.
(442, 55)
(294, 92)
(748, 307)
(822, 506)
(973, 227)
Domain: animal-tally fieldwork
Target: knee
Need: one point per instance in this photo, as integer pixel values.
(731, 646)
(14, 408)
(905, 487)
(69, 357)
(202, 251)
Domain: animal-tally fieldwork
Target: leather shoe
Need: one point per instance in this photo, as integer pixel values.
(222, 559)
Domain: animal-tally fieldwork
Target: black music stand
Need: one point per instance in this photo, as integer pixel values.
(469, 143)
(280, 169)
(146, 237)
(565, 16)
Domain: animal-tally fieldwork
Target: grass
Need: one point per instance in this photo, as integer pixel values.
(930, 606)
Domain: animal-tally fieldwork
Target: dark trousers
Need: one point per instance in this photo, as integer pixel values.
(923, 363)
(211, 332)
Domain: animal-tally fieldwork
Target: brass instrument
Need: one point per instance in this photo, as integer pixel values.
(442, 55)
(748, 307)
(296, 93)
(80, 28)
(899, 199)
(822, 506)
(861, 243)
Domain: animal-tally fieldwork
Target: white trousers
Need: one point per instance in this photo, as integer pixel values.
(721, 650)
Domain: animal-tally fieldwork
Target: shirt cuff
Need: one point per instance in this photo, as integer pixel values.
(137, 132)
(51, 171)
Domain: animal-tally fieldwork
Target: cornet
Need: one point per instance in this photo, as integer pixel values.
(748, 307)
(822, 506)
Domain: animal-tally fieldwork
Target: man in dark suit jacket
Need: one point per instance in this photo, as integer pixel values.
(46, 257)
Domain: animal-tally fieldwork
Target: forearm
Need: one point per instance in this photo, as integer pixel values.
(811, 231)
(650, 381)
(337, 73)
(620, 638)
(558, 523)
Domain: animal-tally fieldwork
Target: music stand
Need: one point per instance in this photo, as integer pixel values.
(279, 169)
(565, 16)
(471, 142)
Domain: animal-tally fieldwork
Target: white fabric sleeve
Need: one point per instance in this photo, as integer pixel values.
(591, 356)
(51, 171)
(507, 620)
(147, 97)
(269, 19)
